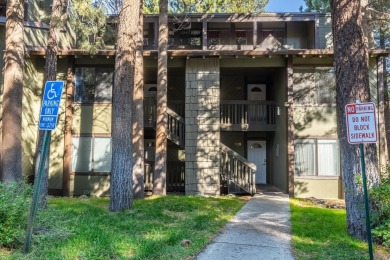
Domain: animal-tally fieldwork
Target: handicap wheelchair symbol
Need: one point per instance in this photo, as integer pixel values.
(52, 92)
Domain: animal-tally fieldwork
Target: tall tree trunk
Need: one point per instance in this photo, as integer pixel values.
(160, 164)
(121, 190)
(11, 157)
(138, 121)
(351, 59)
(56, 22)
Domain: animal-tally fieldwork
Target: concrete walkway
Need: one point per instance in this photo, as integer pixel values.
(260, 230)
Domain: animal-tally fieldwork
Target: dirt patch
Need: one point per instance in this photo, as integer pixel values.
(324, 203)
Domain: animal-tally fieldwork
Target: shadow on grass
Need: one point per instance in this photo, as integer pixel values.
(153, 229)
(320, 233)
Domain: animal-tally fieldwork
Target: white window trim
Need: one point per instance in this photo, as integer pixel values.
(316, 176)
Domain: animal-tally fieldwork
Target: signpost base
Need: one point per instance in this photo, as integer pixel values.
(368, 225)
(37, 190)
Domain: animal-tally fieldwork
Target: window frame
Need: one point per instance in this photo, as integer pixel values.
(91, 163)
(97, 67)
(316, 141)
(318, 89)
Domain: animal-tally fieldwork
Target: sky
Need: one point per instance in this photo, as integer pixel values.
(275, 6)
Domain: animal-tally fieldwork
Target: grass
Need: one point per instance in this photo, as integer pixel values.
(321, 233)
(153, 229)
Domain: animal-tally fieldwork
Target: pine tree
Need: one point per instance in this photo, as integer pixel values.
(11, 154)
(121, 189)
(138, 120)
(352, 80)
(160, 163)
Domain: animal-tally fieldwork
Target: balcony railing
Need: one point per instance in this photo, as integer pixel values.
(175, 176)
(248, 115)
(236, 115)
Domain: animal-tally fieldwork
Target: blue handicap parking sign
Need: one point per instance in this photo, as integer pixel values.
(50, 105)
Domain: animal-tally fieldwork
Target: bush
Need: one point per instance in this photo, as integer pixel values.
(381, 219)
(15, 199)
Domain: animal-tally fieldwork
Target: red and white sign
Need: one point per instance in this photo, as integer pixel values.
(361, 123)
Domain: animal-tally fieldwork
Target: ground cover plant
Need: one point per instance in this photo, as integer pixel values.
(380, 195)
(170, 227)
(321, 233)
(14, 205)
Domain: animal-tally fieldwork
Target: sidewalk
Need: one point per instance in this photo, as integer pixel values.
(260, 230)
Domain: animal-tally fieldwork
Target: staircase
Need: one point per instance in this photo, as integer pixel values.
(237, 173)
(176, 128)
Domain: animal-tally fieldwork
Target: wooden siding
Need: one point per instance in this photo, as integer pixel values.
(326, 188)
(91, 119)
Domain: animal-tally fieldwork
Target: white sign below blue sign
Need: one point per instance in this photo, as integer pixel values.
(50, 105)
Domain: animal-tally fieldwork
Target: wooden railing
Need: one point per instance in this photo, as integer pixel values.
(175, 176)
(237, 169)
(176, 129)
(178, 106)
(236, 115)
(244, 115)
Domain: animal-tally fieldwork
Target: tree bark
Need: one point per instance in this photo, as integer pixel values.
(352, 80)
(121, 190)
(138, 123)
(160, 164)
(11, 157)
(56, 22)
(67, 166)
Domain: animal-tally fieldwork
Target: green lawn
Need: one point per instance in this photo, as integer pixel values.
(321, 233)
(153, 229)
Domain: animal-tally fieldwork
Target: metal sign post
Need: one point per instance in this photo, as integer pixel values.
(47, 121)
(368, 225)
(361, 128)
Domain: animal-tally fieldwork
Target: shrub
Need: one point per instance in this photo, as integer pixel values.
(15, 201)
(381, 219)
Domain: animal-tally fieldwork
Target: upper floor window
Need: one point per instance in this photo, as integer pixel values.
(314, 86)
(188, 37)
(241, 38)
(3, 8)
(276, 33)
(93, 85)
(213, 37)
(146, 38)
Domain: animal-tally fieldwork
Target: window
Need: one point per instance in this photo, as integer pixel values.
(196, 37)
(146, 38)
(213, 37)
(91, 154)
(316, 157)
(315, 86)
(241, 37)
(277, 33)
(93, 85)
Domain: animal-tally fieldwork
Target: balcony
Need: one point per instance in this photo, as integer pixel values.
(232, 33)
(235, 115)
(248, 115)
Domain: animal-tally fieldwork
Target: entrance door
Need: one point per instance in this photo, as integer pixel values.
(257, 154)
(257, 113)
(257, 92)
